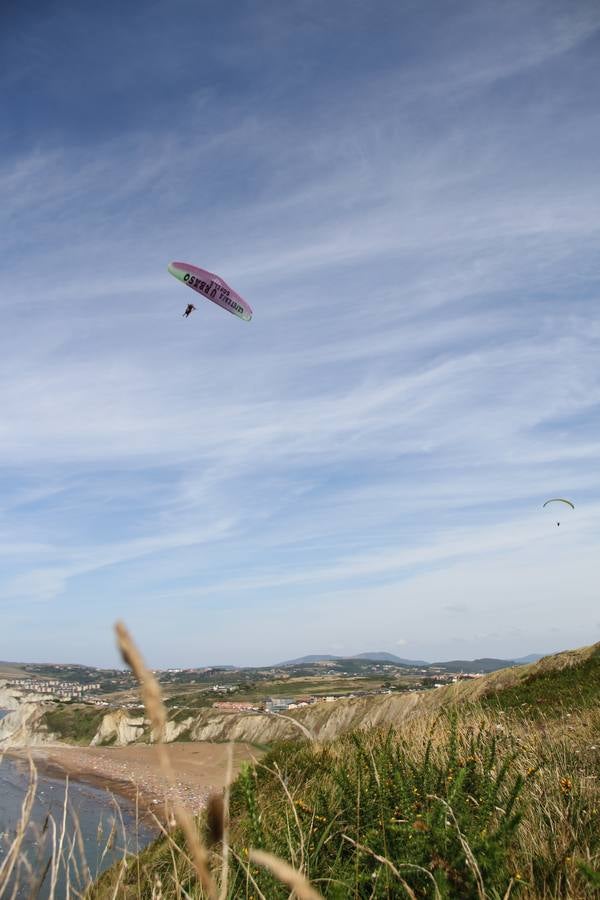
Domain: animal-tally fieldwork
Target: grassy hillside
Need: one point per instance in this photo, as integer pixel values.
(494, 796)
(572, 669)
(453, 807)
(554, 683)
(547, 689)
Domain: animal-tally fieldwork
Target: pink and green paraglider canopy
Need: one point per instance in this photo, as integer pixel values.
(212, 287)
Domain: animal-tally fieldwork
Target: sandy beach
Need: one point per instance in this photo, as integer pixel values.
(200, 769)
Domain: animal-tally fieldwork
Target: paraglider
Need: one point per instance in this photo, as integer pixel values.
(189, 310)
(558, 500)
(212, 287)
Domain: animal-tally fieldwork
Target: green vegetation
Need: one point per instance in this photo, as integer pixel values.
(476, 805)
(490, 791)
(182, 706)
(368, 796)
(75, 723)
(473, 803)
(552, 691)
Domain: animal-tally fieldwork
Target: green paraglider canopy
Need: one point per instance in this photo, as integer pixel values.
(560, 500)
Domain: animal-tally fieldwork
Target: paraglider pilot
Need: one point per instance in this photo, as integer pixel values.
(189, 309)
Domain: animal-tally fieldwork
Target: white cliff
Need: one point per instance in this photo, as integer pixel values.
(11, 697)
(119, 729)
(22, 727)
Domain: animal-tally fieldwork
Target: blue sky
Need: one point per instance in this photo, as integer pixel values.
(408, 196)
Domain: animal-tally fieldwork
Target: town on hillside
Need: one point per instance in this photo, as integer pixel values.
(275, 689)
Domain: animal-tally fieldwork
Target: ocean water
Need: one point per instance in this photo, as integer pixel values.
(105, 830)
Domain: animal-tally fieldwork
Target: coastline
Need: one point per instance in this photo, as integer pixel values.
(133, 772)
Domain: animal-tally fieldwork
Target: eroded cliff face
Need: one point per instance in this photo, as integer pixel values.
(11, 697)
(118, 729)
(174, 729)
(254, 728)
(18, 727)
(23, 727)
(322, 721)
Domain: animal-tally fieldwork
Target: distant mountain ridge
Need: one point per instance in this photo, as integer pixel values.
(375, 656)
(485, 664)
(382, 656)
(531, 658)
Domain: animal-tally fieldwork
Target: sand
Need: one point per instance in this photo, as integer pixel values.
(200, 769)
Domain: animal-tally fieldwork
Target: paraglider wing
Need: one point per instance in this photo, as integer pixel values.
(560, 501)
(212, 287)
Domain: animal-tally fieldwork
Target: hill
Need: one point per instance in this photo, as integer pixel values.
(558, 674)
(485, 664)
(551, 684)
(531, 657)
(390, 657)
(374, 656)
(325, 721)
(309, 659)
(472, 797)
(473, 665)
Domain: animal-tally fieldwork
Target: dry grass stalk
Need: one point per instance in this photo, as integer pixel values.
(86, 874)
(169, 839)
(8, 866)
(277, 772)
(295, 880)
(305, 731)
(57, 856)
(250, 880)
(225, 829)
(390, 865)
(215, 819)
(469, 856)
(509, 889)
(157, 714)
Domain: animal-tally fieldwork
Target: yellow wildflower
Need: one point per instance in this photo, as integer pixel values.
(566, 785)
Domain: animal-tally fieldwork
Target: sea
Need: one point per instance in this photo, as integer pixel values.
(98, 832)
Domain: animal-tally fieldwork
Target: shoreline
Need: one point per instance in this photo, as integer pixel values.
(61, 768)
(133, 772)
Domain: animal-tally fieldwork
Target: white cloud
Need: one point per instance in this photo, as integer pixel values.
(419, 244)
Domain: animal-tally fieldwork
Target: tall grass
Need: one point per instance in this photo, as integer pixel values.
(469, 807)
(476, 805)
(478, 802)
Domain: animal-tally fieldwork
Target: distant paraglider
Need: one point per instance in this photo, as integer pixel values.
(558, 500)
(212, 287)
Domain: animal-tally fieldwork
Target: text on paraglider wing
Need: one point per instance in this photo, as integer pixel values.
(204, 286)
(210, 290)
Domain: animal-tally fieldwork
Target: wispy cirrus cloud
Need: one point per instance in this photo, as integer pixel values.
(417, 235)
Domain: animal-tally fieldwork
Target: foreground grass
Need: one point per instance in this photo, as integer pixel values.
(489, 805)
(485, 801)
